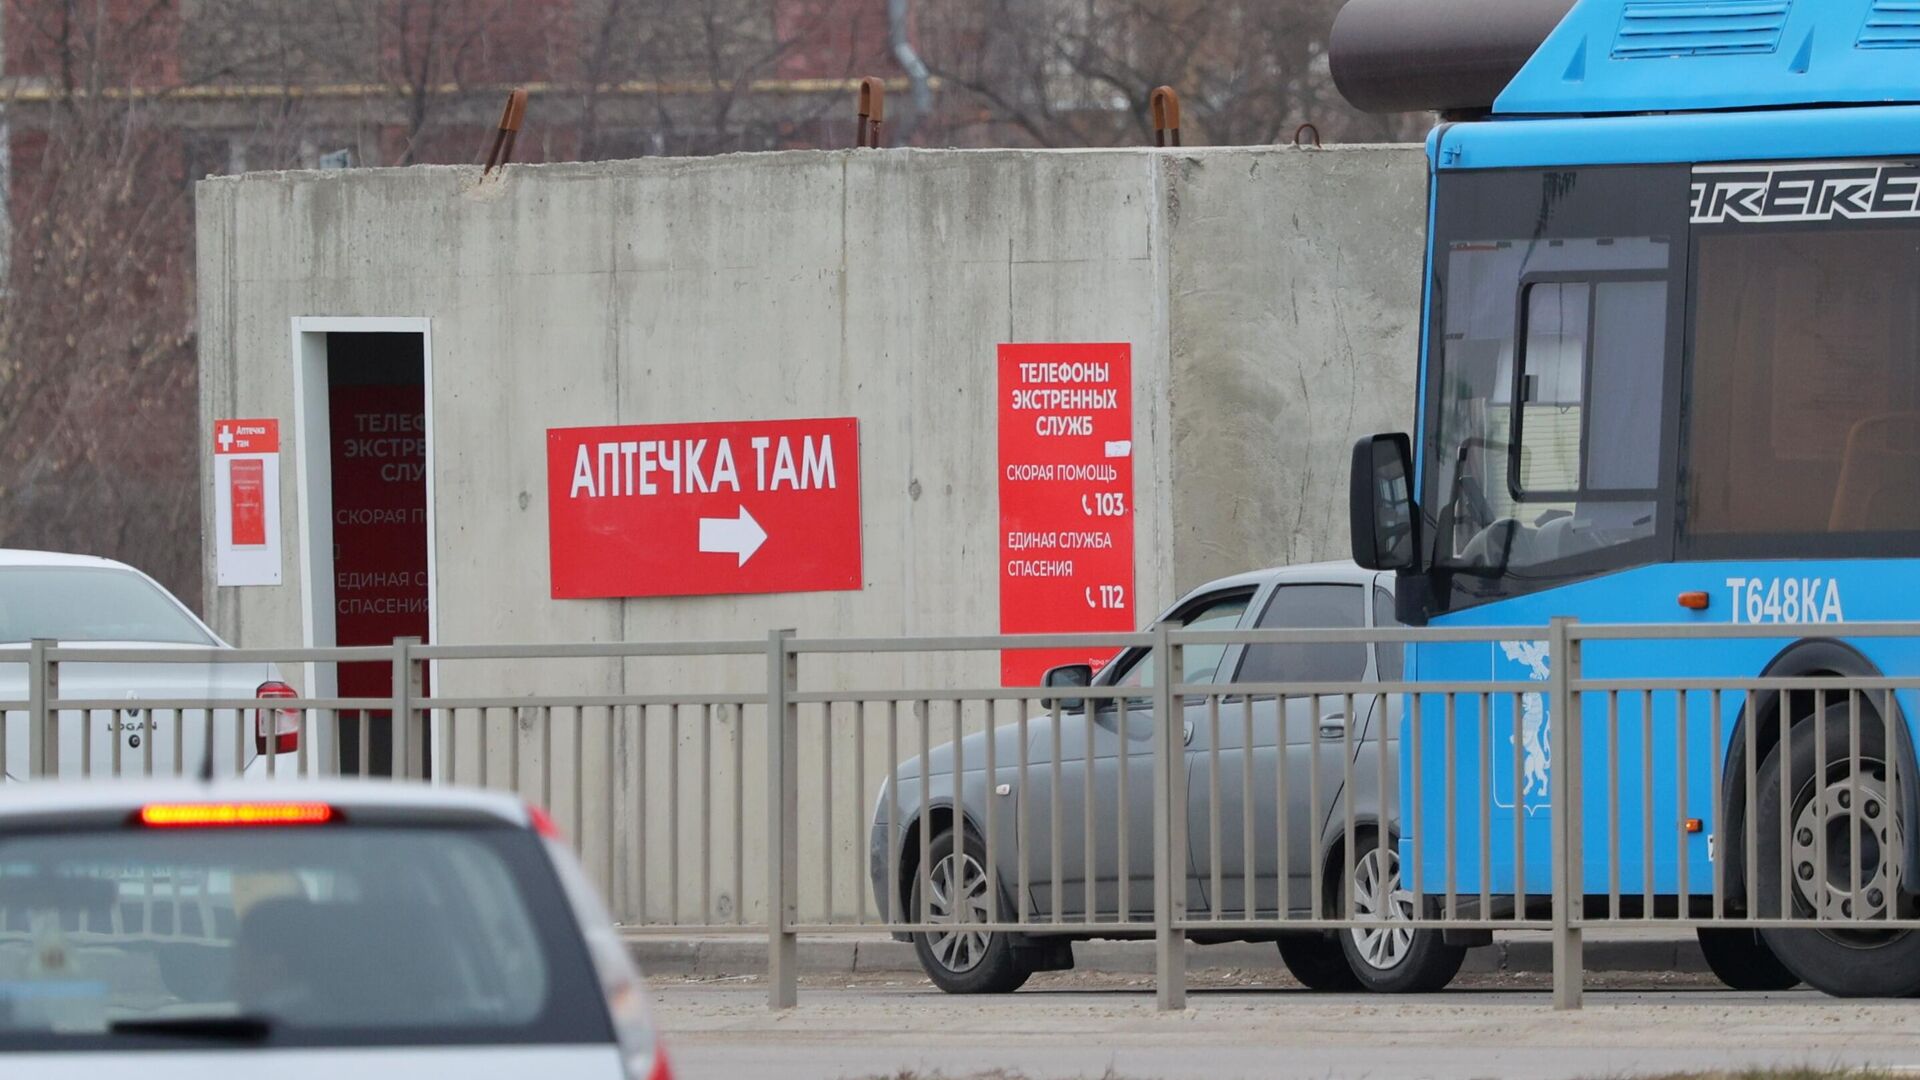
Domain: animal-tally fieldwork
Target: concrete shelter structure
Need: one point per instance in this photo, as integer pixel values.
(1270, 296)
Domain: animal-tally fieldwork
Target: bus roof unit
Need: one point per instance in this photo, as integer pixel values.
(1610, 57)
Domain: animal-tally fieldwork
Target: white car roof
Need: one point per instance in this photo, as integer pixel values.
(39, 798)
(23, 557)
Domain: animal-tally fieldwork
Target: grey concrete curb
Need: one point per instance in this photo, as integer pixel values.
(732, 957)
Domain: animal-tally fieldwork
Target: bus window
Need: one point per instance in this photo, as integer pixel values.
(1805, 397)
(1563, 463)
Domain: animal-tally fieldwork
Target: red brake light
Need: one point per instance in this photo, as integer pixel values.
(542, 822)
(214, 815)
(282, 725)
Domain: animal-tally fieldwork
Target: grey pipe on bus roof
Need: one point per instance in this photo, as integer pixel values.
(1436, 55)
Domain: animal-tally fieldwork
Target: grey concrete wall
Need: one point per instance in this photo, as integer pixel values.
(1270, 296)
(1293, 308)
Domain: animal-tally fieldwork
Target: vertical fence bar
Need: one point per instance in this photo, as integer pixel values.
(1613, 805)
(1451, 811)
(1751, 816)
(613, 814)
(740, 812)
(1022, 816)
(1487, 702)
(578, 768)
(402, 704)
(1215, 881)
(923, 870)
(1124, 883)
(1316, 887)
(1820, 884)
(673, 806)
(1248, 900)
(860, 805)
(1894, 758)
(1388, 788)
(1853, 781)
(826, 810)
(1347, 854)
(783, 955)
(641, 819)
(706, 814)
(1412, 814)
(957, 881)
(1715, 850)
(1056, 887)
(1564, 792)
(1283, 870)
(43, 716)
(1785, 747)
(990, 794)
(1683, 892)
(1646, 806)
(893, 812)
(1169, 824)
(1090, 848)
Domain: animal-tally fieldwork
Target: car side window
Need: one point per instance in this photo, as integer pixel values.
(1202, 662)
(1309, 607)
(1392, 654)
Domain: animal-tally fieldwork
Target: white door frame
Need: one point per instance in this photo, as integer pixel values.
(314, 484)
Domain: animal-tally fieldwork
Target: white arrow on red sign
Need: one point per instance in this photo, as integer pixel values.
(740, 536)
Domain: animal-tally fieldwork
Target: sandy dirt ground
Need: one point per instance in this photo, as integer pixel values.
(1257, 1024)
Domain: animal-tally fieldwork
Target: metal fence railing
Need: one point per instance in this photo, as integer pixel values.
(821, 787)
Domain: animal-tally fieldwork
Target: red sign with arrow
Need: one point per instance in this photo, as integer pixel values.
(760, 506)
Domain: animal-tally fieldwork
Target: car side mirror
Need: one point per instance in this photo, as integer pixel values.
(1074, 676)
(1383, 517)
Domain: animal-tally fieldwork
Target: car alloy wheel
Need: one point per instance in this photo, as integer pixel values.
(1378, 898)
(957, 894)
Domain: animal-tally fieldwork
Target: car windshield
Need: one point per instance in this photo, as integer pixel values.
(84, 603)
(321, 935)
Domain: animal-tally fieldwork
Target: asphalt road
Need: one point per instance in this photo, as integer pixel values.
(884, 1026)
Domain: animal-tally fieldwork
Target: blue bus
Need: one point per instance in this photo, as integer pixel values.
(1670, 373)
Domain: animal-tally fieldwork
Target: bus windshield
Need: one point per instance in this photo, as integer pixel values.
(1547, 434)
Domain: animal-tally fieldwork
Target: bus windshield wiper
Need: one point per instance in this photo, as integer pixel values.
(238, 1029)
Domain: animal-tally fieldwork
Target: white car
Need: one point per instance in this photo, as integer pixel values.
(88, 603)
(165, 930)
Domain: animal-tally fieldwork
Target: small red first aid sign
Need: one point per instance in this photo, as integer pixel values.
(753, 506)
(246, 502)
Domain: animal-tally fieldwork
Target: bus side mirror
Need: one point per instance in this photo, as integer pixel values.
(1072, 676)
(1383, 517)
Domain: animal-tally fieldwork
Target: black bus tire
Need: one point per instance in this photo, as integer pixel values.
(1841, 962)
(1739, 958)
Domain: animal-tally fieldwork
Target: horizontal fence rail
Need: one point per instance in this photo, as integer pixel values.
(1281, 785)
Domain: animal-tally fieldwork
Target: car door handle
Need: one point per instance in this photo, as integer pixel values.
(1333, 724)
(1187, 733)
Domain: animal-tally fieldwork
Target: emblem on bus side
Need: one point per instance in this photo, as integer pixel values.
(1536, 742)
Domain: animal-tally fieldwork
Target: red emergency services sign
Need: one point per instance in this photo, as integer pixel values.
(1066, 499)
(702, 509)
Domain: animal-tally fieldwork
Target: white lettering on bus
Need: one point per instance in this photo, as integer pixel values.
(1786, 600)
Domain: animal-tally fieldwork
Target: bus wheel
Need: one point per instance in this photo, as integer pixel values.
(1741, 960)
(1831, 817)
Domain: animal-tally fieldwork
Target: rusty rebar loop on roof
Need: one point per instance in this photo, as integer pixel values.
(1165, 106)
(873, 112)
(503, 139)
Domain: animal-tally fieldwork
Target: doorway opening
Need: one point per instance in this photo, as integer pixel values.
(365, 511)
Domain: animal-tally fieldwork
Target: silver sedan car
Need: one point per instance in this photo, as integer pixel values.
(1316, 736)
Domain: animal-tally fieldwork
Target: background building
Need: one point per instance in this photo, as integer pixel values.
(110, 109)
